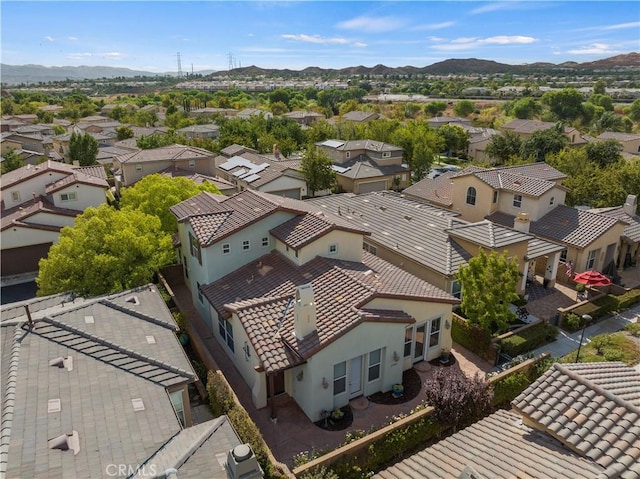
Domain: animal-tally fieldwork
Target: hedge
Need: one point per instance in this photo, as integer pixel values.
(222, 402)
(628, 299)
(471, 336)
(529, 339)
(508, 388)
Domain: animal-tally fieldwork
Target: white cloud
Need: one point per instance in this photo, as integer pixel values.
(372, 24)
(467, 43)
(49, 38)
(507, 40)
(73, 39)
(359, 44)
(107, 55)
(593, 49)
(511, 5)
(490, 7)
(434, 26)
(316, 39)
(603, 28)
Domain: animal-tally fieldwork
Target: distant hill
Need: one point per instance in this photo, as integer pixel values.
(16, 74)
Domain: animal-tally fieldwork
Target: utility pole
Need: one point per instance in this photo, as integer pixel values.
(179, 65)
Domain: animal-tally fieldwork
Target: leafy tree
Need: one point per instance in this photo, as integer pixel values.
(158, 140)
(456, 399)
(565, 104)
(155, 194)
(526, 108)
(408, 135)
(124, 132)
(600, 87)
(12, 161)
(105, 252)
(605, 101)
(464, 108)
(317, 171)
(434, 108)
(608, 121)
(633, 110)
(422, 159)
(456, 138)
(604, 153)
(502, 147)
(83, 148)
(321, 130)
(488, 287)
(542, 143)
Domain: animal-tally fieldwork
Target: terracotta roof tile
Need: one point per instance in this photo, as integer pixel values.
(302, 230)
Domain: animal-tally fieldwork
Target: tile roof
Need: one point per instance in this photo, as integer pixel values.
(302, 230)
(517, 183)
(112, 364)
(363, 167)
(498, 446)
(437, 190)
(259, 293)
(77, 177)
(273, 169)
(368, 145)
(538, 247)
(173, 152)
(531, 126)
(197, 178)
(30, 171)
(360, 116)
(618, 136)
(572, 226)
(19, 215)
(488, 234)
(406, 225)
(631, 232)
(217, 220)
(594, 409)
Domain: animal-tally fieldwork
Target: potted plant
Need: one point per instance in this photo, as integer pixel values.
(397, 390)
(336, 415)
(444, 356)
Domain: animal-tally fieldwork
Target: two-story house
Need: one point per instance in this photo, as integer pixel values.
(208, 131)
(630, 141)
(37, 202)
(247, 169)
(363, 166)
(289, 294)
(525, 128)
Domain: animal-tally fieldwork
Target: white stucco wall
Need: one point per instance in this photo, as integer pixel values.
(17, 237)
(86, 196)
(285, 183)
(37, 185)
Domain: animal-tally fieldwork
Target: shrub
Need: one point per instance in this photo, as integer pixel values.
(628, 299)
(633, 329)
(599, 343)
(573, 322)
(320, 473)
(471, 336)
(529, 339)
(507, 389)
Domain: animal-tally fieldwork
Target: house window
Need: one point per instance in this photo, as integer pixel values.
(138, 167)
(15, 196)
(186, 267)
(265, 242)
(563, 256)
(333, 248)
(374, 364)
(552, 201)
(370, 248)
(178, 405)
(456, 289)
(339, 378)
(192, 163)
(68, 196)
(408, 339)
(517, 201)
(591, 259)
(194, 247)
(386, 154)
(226, 332)
(246, 245)
(226, 248)
(404, 177)
(347, 155)
(495, 196)
(471, 195)
(434, 335)
(199, 292)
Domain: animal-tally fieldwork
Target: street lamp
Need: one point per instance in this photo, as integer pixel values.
(586, 319)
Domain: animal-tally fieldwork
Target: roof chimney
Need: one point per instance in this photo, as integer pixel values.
(305, 311)
(242, 463)
(630, 205)
(521, 222)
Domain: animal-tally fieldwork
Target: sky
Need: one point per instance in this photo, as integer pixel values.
(214, 35)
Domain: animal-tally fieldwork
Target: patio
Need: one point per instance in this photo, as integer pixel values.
(544, 302)
(292, 433)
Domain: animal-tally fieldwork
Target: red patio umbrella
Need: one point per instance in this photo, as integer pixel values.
(592, 278)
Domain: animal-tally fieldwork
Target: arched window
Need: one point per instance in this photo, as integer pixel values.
(471, 196)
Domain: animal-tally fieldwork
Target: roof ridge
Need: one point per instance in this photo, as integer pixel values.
(573, 374)
(115, 347)
(110, 304)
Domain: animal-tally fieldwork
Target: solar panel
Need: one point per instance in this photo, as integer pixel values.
(251, 178)
(340, 169)
(333, 143)
(240, 172)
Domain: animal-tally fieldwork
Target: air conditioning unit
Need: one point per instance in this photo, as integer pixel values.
(242, 463)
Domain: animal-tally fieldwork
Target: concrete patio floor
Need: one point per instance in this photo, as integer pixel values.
(292, 433)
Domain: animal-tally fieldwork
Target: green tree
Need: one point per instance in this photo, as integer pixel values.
(600, 87)
(633, 111)
(488, 284)
(435, 108)
(542, 143)
(124, 132)
(565, 104)
(83, 148)
(422, 159)
(526, 108)
(604, 153)
(504, 146)
(12, 161)
(155, 194)
(456, 138)
(317, 171)
(105, 252)
(605, 101)
(464, 108)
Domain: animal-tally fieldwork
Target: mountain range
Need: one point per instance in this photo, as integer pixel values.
(16, 74)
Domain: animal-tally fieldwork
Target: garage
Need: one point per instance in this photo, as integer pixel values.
(372, 186)
(291, 193)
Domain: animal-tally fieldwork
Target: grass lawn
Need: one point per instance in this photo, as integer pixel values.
(620, 346)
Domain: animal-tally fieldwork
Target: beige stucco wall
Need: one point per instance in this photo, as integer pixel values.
(349, 247)
(17, 237)
(484, 198)
(579, 256)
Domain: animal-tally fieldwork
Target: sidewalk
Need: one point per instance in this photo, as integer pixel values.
(570, 342)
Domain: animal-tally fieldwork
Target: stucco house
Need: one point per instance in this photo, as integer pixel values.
(363, 166)
(525, 128)
(208, 131)
(133, 166)
(360, 116)
(304, 118)
(98, 387)
(630, 141)
(37, 202)
(290, 295)
(249, 170)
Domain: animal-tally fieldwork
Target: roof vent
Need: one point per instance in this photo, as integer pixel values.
(151, 339)
(242, 463)
(133, 300)
(53, 405)
(66, 442)
(89, 320)
(62, 363)
(138, 404)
